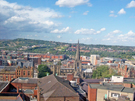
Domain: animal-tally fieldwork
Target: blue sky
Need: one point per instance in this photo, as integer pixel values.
(109, 22)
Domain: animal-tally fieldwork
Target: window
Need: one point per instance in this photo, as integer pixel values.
(28, 72)
(115, 95)
(23, 72)
(6, 78)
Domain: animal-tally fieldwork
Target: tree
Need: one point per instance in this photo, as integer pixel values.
(43, 70)
(103, 71)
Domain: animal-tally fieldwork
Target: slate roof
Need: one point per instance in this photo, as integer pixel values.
(3, 84)
(129, 80)
(26, 64)
(112, 87)
(10, 68)
(26, 80)
(92, 80)
(53, 86)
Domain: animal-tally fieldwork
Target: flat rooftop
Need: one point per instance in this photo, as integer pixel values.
(108, 86)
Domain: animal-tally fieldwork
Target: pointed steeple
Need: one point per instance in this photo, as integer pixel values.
(78, 52)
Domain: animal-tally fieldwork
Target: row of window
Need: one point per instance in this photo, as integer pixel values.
(24, 73)
(3, 79)
(66, 70)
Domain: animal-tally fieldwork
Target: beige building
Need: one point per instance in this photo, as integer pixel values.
(95, 59)
(110, 92)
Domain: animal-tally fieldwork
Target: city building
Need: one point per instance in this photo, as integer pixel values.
(95, 59)
(109, 92)
(53, 88)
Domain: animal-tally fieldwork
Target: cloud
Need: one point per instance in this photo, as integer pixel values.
(64, 30)
(131, 4)
(16, 18)
(72, 3)
(69, 16)
(86, 12)
(58, 36)
(89, 31)
(102, 29)
(116, 31)
(113, 32)
(128, 37)
(112, 14)
(122, 11)
(111, 11)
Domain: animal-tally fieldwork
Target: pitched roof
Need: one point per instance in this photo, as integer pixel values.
(26, 64)
(10, 68)
(53, 86)
(26, 80)
(3, 84)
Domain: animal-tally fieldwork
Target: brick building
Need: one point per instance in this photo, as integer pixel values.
(26, 85)
(25, 69)
(126, 70)
(7, 73)
(53, 88)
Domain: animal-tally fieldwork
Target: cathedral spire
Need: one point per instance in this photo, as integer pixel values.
(78, 52)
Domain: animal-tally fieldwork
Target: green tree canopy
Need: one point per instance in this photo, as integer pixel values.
(103, 71)
(43, 70)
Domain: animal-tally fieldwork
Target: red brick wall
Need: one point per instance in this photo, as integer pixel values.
(127, 85)
(70, 77)
(61, 99)
(56, 57)
(92, 94)
(96, 62)
(110, 61)
(61, 57)
(53, 57)
(85, 62)
(39, 60)
(8, 77)
(48, 56)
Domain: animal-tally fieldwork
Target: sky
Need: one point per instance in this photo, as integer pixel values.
(108, 22)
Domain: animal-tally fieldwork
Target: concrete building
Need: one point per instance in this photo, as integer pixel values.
(95, 59)
(108, 92)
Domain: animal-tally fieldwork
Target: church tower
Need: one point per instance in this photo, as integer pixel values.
(78, 63)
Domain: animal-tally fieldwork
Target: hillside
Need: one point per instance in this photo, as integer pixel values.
(41, 46)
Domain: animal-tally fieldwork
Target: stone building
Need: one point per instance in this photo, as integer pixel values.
(76, 69)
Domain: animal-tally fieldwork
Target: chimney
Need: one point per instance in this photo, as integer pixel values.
(125, 68)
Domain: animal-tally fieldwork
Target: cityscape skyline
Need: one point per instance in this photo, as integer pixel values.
(92, 22)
